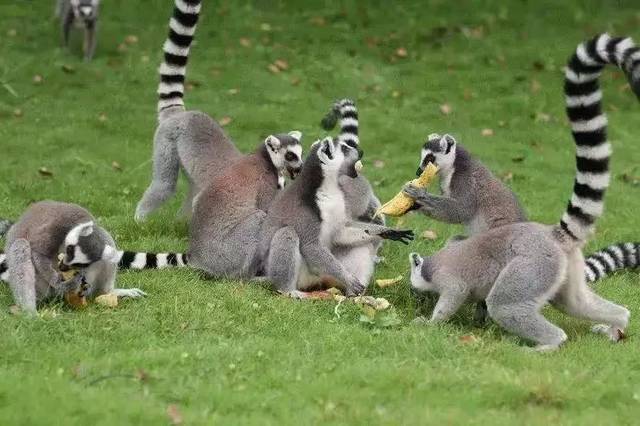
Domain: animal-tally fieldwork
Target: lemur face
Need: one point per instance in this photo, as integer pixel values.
(82, 247)
(418, 281)
(285, 151)
(85, 10)
(439, 150)
(339, 158)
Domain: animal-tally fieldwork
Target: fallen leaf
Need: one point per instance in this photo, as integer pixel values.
(430, 235)
(131, 39)
(387, 282)
(468, 95)
(502, 123)
(401, 52)
(295, 81)
(102, 117)
(318, 21)
(174, 414)
(487, 132)
(141, 375)
(116, 166)
(273, 68)
(37, 79)
(281, 64)
(109, 300)
(535, 86)
(445, 109)
(69, 69)
(224, 121)
(468, 338)
(233, 91)
(396, 94)
(245, 42)
(45, 172)
(507, 177)
(12, 32)
(542, 117)
(265, 26)
(378, 164)
(17, 112)
(121, 48)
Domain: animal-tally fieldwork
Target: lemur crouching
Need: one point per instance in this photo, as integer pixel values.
(520, 267)
(46, 229)
(83, 14)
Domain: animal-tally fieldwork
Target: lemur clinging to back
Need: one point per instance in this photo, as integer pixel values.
(191, 140)
(82, 13)
(46, 229)
(518, 268)
(309, 219)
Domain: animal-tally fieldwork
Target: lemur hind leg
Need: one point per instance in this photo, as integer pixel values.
(284, 262)
(517, 296)
(22, 275)
(166, 166)
(186, 211)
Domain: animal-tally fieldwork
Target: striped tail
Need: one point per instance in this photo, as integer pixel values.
(611, 259)
(173, 69)
(4, 273)
(141, 260)
(346, 112)
(589, 126)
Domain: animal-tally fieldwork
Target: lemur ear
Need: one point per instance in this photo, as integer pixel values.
(85, 229)
(447, 142)
(433, 137)
(415, 259)
(326, 150)
(296, 135)
(110, 254)
(272, 143)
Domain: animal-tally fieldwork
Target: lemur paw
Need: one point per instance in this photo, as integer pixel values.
(356, 288)
(615, 334)
(133, 293)
(414, 192)
(404, 236)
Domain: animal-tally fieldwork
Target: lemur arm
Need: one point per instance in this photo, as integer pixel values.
(45, 269)
(356, 234)
(448, 304)
(324, 262)
(444, 209)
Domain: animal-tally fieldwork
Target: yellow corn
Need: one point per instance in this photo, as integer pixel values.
(401, 203)
(110, 300)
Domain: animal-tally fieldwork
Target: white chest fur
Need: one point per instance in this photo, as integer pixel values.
(332, 209)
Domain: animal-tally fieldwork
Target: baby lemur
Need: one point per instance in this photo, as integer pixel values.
(46, 229)
(518, 268)
(192, 141)
(83, 14)
(309, 219)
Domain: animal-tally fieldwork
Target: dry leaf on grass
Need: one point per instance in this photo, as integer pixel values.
(445, 109)
(233, 91)
(245, 42)
(174, 414)
(225, 121)
(37, 79)
(318, 21)
(487, 132)
(401, 52)
(273, 68)
(387, 282)
(69, 69)
(430, 235)
(281, 64)
(468, 338)
(131, 39)
(17, 113)
(43, 171)
(116, 166)
(378, 164)
(109, 300)
(535, 86)
(102, 117)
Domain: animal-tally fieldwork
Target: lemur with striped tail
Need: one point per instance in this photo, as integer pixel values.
(81, 13)
(611, 259)
(192, 141)
(518, 268)
(309, 219)
(34, 242)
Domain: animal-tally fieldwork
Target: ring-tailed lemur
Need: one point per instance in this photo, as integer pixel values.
(518, 268)
(471, 194)
(191, 140)
(610, 259)
(46, 229)
(309, 218)
(82, 13)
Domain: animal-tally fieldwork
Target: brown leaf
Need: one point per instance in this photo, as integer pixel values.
(507, 177)
(378, 164)
(535, 86)
(12, 32)
(141, 375)
(295, 81)
(224, 121)
(401, 52)
(245, 42)
(17, 113)
(121, 48)
(318, 21)
(281, 64)
(273, 68)
(131, 39)
(37, 79)
(69, 69)
(116, 166)
(429, 235)
(45, 172)
(487, 132)
(468, 95)
(468, 338)
(445, 109)
(265, 26)
(102, 117)
(233, 91)
(174, 414)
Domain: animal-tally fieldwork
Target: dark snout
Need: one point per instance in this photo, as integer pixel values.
(63, 267)
(294, 171)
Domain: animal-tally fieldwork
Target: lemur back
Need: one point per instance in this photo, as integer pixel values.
(520, 267)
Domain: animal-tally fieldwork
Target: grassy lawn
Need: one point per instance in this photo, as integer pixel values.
(228, 352)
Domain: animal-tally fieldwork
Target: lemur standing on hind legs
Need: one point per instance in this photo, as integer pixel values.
(192, 141)
(309, 219)
(82, 13)
(520, 267)
(46, 229)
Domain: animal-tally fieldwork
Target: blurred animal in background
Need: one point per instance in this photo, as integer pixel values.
(81, 14)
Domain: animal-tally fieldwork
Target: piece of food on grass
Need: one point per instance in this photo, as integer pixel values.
(401, 203)
(377, 303)
(386, 282)
(75, 300)
(110, 300)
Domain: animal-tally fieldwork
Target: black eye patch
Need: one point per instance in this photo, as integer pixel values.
(290, 156)
(327, 152)
(71, 251)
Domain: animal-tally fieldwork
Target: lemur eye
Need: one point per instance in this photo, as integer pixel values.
(290, 156)
(345, 149)
(71, 251)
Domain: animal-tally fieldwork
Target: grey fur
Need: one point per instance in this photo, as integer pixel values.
(82, 13)
(33, 243)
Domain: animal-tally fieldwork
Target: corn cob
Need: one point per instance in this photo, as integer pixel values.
(401, 203)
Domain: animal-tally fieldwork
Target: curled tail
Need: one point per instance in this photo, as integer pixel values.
(589, 126)
(610, 259)
(142, 260)
(173, 69)
(346, 112)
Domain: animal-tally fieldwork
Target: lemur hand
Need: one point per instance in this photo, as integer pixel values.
(415, 192)
(354, 288)
(402, 235)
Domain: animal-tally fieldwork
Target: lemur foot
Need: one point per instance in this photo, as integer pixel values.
(356, 288)
(615, 334)
(133, 293)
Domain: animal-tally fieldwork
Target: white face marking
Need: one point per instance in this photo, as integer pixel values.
(331, 161)
(296, 149)
(81, 230)
(78, 257)
(417, 280)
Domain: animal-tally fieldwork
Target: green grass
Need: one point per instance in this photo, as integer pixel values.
(229, 353)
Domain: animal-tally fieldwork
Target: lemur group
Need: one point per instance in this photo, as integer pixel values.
(297, 223)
